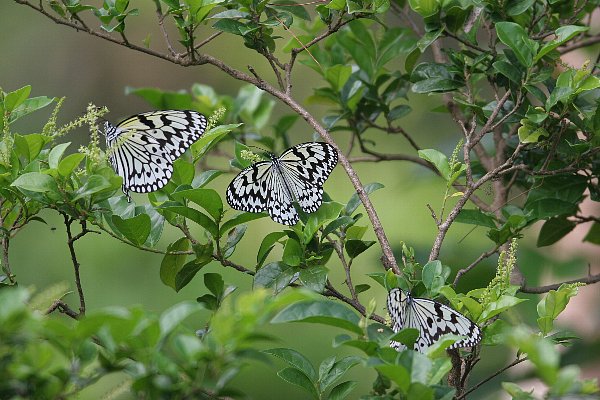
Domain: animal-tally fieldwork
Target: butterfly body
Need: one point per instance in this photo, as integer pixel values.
(143, 147)
(431, 318)
(275, 185)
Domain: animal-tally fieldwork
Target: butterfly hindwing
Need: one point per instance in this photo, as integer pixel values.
(273, 186)
(431, 318)
(145, 146)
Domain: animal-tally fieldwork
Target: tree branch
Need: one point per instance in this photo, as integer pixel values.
(588, 280)
(489, 378)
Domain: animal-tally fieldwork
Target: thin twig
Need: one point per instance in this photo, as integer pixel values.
(588, 280)
(463, 271)
(495, 374)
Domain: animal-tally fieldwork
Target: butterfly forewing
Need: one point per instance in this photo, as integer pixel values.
(431, 318)
(249, 190)
(297, 175)
(145, 146)
(312, 161)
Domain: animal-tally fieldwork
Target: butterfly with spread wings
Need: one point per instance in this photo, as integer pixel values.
(273, 186)
(143, 147)
(431, 318)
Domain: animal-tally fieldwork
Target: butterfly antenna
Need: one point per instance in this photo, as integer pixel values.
(299, 41)
(505, 203)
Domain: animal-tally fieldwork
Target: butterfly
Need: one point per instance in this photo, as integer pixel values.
(273, 186)
(144, 146)
(431, 318)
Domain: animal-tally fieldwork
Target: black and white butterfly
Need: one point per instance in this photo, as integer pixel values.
(143, 147)
(273, 186)
(431, 318)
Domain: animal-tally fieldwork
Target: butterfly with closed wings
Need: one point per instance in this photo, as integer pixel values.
(273, 186)
(431, 318)
(143, 147)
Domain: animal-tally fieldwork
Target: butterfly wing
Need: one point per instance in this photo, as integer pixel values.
(396, 305)
(433, 319)
(260, 187)
(305, 168)
(143, 164)
(174, 130)
(148, 143)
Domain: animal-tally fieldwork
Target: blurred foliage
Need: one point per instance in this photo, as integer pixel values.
(544, 117)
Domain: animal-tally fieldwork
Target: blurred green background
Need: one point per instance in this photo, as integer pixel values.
(57, 61)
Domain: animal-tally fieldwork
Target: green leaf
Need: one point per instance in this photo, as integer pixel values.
(553, 230)
(298, 378)
(406, 336)
(338, 369)
(214, 282)
(320, 312)
(275, 275)
(93, 185)
(327, 212)
(198, 217)
(545, 208)
(172, 263)
(267, 245)
(35, 182)
(13, 99)
(425, 8)
(314, 277)
(434, 78)
(475, 217)
(433, 276)
(336, 224)
(553, 304)
(516, 392)
(355, 247)
(563, 35)
(338, 75)
(354, 201)
(29, 106)
(508, 70)
(184, 275)
(342, 390)
(518, 7)
(292, 253)
(205, 177)
(296, 360)
(531, 133)
(439, 160)
(208, 199)
(210, 139)
(69, 163)
(135, 229)
(239, 219)
(593, 235)
(174, 316)
(516, 38)
(56, 154)
(496, 307)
